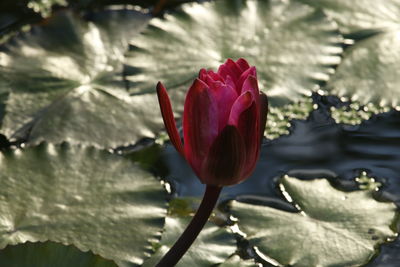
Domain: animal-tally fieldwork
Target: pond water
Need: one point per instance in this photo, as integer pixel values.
(316, 148)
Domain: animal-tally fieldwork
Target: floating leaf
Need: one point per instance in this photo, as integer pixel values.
(368, 72)
(331, 228)
(360, 15)
(293, 46)
(236, 261)
(65, 82)
(82, 196)
(213, 246)
(50, 254)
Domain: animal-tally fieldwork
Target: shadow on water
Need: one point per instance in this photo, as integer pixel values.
(316, 148)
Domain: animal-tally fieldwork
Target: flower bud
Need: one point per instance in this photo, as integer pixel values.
(223, 123)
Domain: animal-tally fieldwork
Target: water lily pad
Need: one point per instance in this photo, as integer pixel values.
(331, 227)
(65, 79)
(360, 15)
(368, 72)
(236, 261)
(292, 45)
(82, 196)
(213, 246)
(50, 254)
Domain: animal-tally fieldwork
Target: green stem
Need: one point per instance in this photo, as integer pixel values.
(193, 229)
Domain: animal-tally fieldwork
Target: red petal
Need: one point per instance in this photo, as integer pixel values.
(168, 117)
(242, 63)
(203, 74)
(230, 68)
(210, 78)
(200, 123)
(225, 96)
(242, 103)
(224, 163)
(212, 83)
(231, 83)
(245, 75)
(250, 84)
(215, 76)
(249, 129)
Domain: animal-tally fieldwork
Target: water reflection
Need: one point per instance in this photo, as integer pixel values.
(317, 147)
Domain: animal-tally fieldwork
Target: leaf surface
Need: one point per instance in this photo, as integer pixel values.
(368, 73)
(360, 15)
(292, 45)
(65, 82)
(50, 254)
(82, 196)
(331, 227)
(213, 245)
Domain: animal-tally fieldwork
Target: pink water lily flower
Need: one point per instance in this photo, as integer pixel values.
(223, 123)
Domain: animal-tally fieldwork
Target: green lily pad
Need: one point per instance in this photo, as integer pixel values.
(82, 196)
(292, 45)
(331, 227)
(236, 261)
(360, 15)
(368, 72)
(213, 246)
(65, 79)
(50, 254)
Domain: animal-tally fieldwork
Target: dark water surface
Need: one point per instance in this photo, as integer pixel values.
(316, 148)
